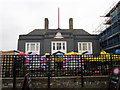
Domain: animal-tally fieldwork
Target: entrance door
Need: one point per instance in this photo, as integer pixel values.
(58, 46)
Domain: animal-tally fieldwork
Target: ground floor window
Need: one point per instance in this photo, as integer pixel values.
(85, 46)
(32, 47)
(58, 46)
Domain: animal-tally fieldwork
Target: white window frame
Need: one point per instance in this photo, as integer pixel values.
(58, 44)
(36, 47)
(88, 43)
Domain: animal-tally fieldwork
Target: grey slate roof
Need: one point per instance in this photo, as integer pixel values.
(37, 32)
(80, 32)
(54, 31)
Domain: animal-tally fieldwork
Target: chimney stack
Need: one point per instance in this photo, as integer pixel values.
(71, 23)
(46, 23)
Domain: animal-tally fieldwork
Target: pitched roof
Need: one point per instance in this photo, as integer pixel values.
(54, 31)
(80, 32)
(37, 32)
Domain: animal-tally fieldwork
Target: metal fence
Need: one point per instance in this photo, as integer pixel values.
(56, 65)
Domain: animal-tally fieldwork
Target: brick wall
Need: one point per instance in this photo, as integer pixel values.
(63, 82)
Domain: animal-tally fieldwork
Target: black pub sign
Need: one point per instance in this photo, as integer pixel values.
(115, 79)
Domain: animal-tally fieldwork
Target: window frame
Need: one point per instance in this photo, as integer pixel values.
(58, 44)
(89, 48)
(35, 48)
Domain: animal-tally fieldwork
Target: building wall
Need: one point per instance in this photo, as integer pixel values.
(115, 14)
(47, 44)
(72, 43)
(110, 37)
(93, 39)
(21, 45)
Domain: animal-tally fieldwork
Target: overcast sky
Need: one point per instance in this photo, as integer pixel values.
(22, 16)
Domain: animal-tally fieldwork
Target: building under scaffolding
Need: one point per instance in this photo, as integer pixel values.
(109, 37)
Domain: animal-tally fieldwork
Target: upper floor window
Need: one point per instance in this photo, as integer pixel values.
(58, 46)
(32, 47)
(85, 46)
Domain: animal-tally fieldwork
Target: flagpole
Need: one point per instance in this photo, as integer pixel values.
(58, 18)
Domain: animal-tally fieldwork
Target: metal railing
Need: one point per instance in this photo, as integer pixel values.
(66, 65)
(14, 66)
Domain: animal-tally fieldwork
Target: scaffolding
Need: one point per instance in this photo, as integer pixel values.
(107, 21)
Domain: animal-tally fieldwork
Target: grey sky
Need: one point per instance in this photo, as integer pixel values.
(22, 16)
